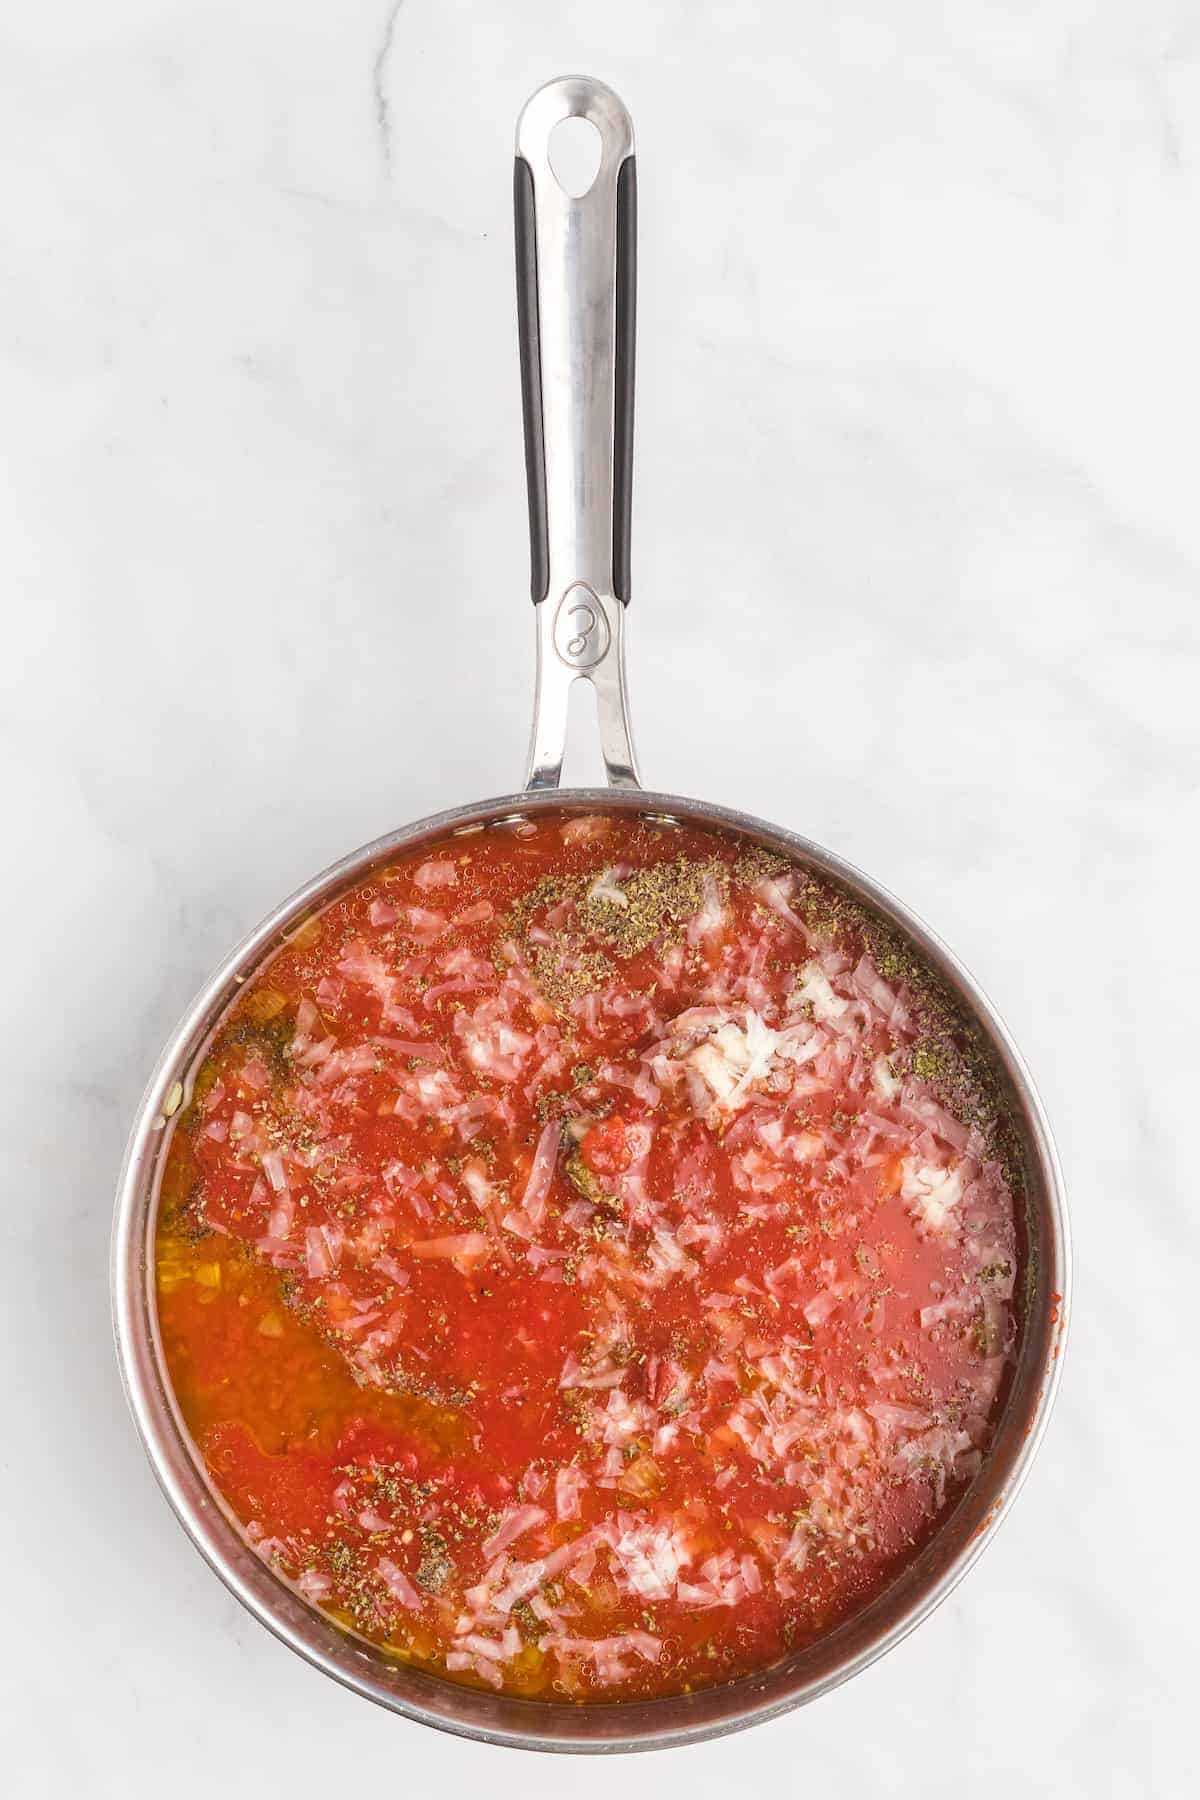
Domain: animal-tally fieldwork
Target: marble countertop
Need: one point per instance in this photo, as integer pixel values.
(916, 551)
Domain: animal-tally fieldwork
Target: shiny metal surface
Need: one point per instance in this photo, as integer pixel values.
(961, 1538)
(603, 617)
(580, 621)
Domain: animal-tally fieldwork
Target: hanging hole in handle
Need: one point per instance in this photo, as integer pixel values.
(574, 151)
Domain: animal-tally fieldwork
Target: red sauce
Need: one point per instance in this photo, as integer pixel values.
(585, 1259)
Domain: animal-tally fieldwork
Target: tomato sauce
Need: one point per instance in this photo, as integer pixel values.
(586, 1258)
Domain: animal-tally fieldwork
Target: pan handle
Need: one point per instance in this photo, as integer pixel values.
(576, 286)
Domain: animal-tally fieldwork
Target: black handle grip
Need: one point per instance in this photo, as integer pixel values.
(623, 394)
(528, 326)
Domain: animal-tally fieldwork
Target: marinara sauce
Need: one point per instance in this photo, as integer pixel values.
(586, 1256)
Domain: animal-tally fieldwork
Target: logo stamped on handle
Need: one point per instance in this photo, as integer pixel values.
(581, 633)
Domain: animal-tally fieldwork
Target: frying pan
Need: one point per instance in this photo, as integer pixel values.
(576, 296)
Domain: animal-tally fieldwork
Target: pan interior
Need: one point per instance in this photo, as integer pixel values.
(595, 1727)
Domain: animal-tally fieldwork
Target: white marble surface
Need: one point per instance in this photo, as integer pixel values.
(916, 557)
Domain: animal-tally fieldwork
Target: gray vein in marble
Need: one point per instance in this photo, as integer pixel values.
(383, 110)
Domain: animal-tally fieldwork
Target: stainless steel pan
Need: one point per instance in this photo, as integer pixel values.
(576, 286)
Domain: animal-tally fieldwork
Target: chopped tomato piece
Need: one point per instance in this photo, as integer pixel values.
(605, 1149)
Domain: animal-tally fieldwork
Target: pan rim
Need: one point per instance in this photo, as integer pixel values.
(462, 1711)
